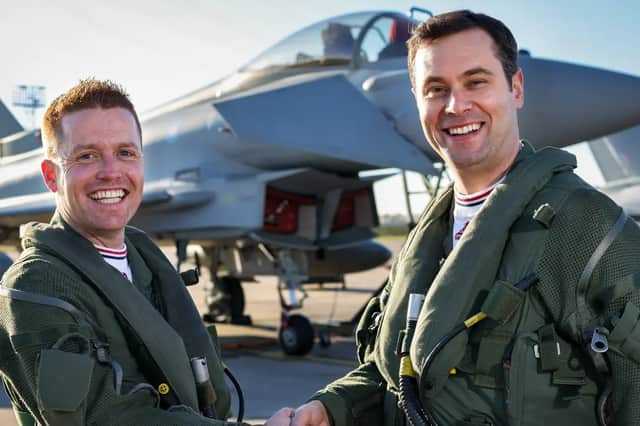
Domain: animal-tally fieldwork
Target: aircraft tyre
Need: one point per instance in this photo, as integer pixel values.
(227, 303)
(297, 338)
(5, 262)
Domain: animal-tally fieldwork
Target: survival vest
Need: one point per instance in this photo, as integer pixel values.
(519, 362)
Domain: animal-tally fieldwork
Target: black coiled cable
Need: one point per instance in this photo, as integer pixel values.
(410, 404)
(239, 392)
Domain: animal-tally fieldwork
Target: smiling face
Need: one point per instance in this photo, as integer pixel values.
(98, 180)
(467, 108)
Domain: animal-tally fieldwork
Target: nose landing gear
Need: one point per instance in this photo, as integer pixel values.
(296, 334)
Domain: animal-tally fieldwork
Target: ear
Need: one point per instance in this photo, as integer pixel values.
(48, 169)
(517, 86)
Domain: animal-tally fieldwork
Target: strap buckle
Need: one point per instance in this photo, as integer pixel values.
(101, 350)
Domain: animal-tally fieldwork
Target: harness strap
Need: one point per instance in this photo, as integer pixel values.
(582, 306)
(582, 312)
(625, 336)
(41, 299)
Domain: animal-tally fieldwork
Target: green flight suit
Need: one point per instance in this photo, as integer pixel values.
(50, 359)
(528, 363)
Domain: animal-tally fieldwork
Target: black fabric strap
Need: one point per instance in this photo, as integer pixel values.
(40, 299)
(582, 308)
(582, 311)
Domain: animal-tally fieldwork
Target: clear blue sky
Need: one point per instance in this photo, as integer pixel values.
(161, 49)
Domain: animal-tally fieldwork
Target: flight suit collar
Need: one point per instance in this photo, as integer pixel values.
(140, 272)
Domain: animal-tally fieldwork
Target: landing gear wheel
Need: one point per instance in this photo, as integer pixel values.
(227, 302)
(297, 337)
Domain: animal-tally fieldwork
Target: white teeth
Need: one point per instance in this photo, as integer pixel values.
(109, 200)
(464, 129)
(108, 197)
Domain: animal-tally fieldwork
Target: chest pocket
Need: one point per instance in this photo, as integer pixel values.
(490, 341)
(533, 370)
(510, 309)
(518, 352)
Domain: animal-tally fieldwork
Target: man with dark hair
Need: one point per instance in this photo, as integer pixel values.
(530, 277)
(506, 48)
(96, 326)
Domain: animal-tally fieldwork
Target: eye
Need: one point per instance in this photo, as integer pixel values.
(435, 91)
(129, 153)
(86, 157)
(477, 83)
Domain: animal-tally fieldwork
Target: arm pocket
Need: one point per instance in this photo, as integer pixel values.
(63, 381)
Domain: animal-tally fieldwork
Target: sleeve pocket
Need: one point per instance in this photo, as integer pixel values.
(63, 380)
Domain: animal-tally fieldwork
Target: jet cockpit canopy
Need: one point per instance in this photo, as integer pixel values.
(354, 39)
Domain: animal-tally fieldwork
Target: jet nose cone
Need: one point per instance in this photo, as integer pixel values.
(362, 256)
(354, 258)
(376, 253)
(567, 103)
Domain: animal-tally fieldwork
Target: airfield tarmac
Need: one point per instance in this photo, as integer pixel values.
(269, 379)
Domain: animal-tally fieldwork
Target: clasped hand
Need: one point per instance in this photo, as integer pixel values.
(312, 413)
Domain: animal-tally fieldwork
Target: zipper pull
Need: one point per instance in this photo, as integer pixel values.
(599, 341)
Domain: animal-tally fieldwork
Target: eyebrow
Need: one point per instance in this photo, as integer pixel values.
(477, 70)
(94, 146)
(430, 80)
(467, 73)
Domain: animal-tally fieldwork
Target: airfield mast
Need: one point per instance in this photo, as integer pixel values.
(29, 97)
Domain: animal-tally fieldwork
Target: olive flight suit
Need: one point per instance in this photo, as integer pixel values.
(81, 345)
(530, 362)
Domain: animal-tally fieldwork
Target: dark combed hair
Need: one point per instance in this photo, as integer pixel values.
(87, 94)
(461, 20)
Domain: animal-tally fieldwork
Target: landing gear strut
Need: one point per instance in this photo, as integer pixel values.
(296, 334)
(226, 302)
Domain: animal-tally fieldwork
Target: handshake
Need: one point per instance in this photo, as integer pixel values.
(312, 413)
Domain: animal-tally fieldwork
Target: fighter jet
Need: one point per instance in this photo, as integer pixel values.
(263, 169)
(618, 157)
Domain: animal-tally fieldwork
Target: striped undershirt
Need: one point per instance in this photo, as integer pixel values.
(465, 208)
(116, 258)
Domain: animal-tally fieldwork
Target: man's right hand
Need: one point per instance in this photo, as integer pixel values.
(313, 413)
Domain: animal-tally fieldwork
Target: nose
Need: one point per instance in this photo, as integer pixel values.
(109, 167)
(457, 103)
